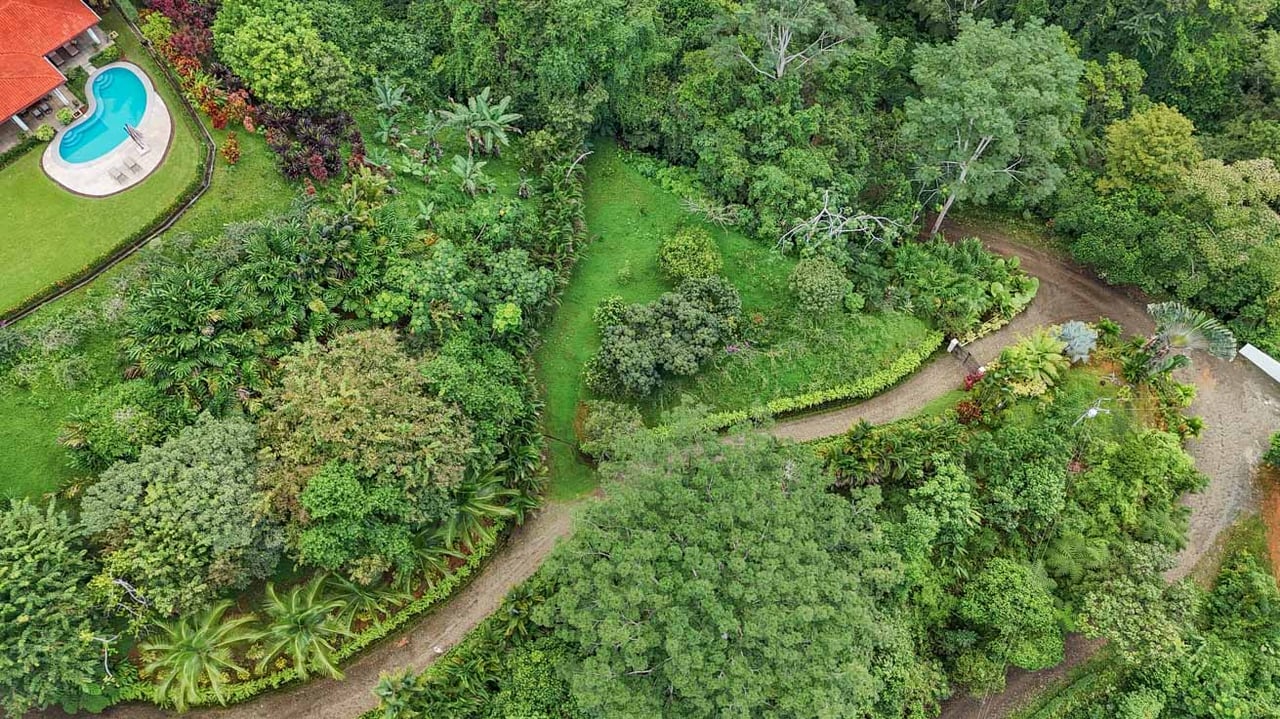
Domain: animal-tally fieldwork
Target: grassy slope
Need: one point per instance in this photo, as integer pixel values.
(627, 216)
(50, 233)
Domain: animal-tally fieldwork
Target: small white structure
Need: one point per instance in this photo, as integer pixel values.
(1264, 361)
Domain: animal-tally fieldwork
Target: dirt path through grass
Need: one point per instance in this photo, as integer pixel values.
(1240, 405)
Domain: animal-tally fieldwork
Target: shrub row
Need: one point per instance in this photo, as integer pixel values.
(440, 591)
(906, 363)
(129, 10)
(109, 55)
(11, 155)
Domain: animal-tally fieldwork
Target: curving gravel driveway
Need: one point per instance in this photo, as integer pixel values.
(1240, 405)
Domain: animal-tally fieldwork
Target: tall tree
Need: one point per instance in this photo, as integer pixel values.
(778, 37)
(1153, 146)
(995, 107)
(180, 524)
(47, 651)
(359, 453)
(723, 579)
(275, 47)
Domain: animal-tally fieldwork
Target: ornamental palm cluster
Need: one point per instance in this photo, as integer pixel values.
(199, 651)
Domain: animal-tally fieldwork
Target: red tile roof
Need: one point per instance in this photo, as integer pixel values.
(28, 30)
(23, 80)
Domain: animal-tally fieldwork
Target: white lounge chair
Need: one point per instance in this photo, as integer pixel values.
(117, 173)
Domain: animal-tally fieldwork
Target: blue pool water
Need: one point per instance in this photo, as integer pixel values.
(122, 100)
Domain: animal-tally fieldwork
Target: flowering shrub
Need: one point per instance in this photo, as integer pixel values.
(972, 379)
(969, 412)
(231, 149)
(309, 143)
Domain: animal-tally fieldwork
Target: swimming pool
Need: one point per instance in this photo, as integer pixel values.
(120, 99)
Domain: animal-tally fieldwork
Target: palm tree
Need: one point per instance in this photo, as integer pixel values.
(192, 650)
(1180, 329)
(303, 627)
(431, 556)
(479, 499)
(360, 601)
(389, 98)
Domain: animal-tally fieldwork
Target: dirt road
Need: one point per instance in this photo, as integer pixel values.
(1240, 405)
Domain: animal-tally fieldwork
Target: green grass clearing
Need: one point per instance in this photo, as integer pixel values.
(627, 216)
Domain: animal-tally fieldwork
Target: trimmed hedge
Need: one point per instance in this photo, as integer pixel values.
(444, 589)
(8, 157)
(906, 364)
(128, 9)
(108, 55)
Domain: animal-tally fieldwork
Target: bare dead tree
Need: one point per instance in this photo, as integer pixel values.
(711, 211)
(956, 8)
(106, 643)
(833, 223)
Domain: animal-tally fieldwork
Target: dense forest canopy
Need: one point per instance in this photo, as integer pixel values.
(299, 431)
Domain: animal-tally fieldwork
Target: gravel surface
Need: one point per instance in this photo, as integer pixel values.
(1240, 405)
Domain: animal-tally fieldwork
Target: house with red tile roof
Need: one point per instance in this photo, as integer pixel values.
(38, 38)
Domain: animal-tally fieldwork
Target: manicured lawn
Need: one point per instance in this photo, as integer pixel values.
(628, 214)
(47, 233)
(30, 417)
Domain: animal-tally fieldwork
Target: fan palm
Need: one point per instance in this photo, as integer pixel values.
(1180, 329)
(302, 627)
(195, 650)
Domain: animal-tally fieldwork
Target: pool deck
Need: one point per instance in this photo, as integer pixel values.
(111, 173)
